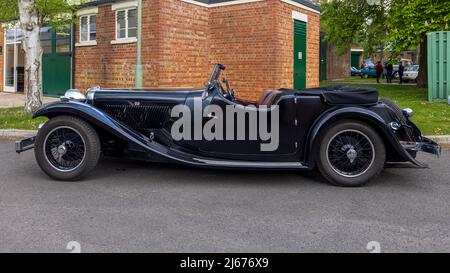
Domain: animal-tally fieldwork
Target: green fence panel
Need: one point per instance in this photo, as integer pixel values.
(438, 65)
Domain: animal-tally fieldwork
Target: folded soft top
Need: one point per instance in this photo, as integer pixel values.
(339, 95)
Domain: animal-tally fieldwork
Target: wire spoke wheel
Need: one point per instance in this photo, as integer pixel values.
(65, 148)
(350, 153)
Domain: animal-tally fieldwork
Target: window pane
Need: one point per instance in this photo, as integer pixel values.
(63, 45)
(9, 65)
(121, 24)
(46, 33)
(132, 32)
(121, 33)
(46, 46)
(121, 19)
(18, 34)
(84, 29)
(92, 36)
(132, 18)
(10, 35)
(92, 27)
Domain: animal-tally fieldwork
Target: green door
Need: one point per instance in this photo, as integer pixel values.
(56, 60)
(355, 59)
(323, 59)
(299, 54)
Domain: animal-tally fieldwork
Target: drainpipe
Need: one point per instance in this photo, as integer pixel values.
(138, 72)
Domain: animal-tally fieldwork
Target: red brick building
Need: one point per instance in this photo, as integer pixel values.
(264, 43)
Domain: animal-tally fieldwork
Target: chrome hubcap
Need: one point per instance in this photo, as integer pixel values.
(350, 153)
(64, 148)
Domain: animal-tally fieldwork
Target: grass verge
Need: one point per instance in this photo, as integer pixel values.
(15, 118)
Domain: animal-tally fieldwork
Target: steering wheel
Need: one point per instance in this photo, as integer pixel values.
(229, 92)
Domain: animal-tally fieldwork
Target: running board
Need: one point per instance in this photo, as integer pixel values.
(252, 164)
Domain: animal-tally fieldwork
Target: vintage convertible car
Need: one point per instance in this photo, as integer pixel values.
(347, 133)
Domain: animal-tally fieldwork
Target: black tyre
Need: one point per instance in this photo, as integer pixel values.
(350, 154)
(67, 148)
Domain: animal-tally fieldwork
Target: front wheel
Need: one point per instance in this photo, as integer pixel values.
(351, 154)
(67, 148)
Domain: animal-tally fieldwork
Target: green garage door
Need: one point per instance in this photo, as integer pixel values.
(355, 59)
(299, 54)
(56, 60)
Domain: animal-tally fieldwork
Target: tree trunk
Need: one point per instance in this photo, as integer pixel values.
(29, 22)
(422, 78)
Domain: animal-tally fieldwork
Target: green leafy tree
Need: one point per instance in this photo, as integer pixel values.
(355, 22)
(410, 21)
(385, 25)
(31, 16)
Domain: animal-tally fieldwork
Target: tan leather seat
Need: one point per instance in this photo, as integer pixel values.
(269, 97)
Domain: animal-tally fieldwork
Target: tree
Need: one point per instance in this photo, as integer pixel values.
(409, 23)
(391, 25)
(355, 22)
(32, 15)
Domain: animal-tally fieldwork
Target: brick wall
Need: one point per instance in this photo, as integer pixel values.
(338, 66)
(183, 44)
(285, 29)
(243, 38)
(181, 41)
(104, 64)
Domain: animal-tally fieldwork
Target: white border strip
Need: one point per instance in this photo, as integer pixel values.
(357, 49)
(237, 2)
(87, 11)
(124, 5)
(299, 16)
(229, 3)
(290, 2)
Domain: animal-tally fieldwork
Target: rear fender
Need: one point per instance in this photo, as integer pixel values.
(355, 113)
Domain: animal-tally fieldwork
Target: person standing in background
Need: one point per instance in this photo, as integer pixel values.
(379, 71)
(389, 72)
(401, 70)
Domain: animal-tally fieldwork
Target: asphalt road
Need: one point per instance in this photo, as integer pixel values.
(141, 207)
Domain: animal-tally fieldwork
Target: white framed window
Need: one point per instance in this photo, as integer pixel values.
(88, 28)
(126, 25)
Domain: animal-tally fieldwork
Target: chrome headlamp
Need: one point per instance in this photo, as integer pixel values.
(73, 95)
(408, 112)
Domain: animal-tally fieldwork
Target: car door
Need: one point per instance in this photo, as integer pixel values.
(278, 144)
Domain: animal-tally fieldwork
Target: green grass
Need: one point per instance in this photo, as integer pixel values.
(433, 118)
(357, 79)
(15, 118)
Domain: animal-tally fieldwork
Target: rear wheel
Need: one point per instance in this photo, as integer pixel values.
(351, 154)
(67, 148)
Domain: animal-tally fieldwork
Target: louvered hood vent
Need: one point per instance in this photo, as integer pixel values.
(139, 117)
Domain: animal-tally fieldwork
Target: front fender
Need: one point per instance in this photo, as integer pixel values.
(355, 113)
(98, 118)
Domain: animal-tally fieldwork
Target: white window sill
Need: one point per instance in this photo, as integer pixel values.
(89, 43)
(124, 41)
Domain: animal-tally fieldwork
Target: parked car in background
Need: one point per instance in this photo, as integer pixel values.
(368, 72)
(354, 71)
(407, 63)
(411, 73)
